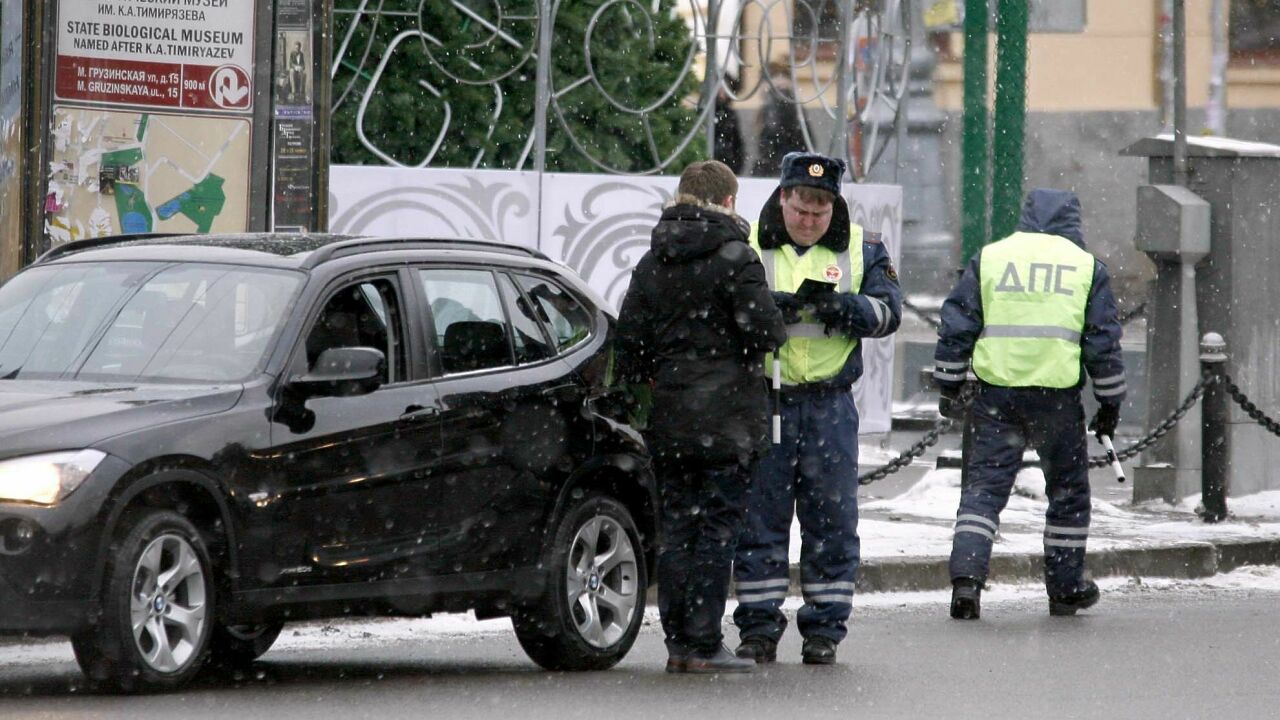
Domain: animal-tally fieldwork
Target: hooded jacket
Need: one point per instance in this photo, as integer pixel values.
(1051, 212)
(696, 322)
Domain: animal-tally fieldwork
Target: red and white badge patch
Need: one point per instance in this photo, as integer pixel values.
(832, 273)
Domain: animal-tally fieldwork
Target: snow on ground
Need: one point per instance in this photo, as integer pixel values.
(918, 522)
(355, 634)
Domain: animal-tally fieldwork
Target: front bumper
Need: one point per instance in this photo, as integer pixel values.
(48, 580)
(20, 614)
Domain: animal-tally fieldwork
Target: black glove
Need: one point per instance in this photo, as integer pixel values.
(951, 405)
(790, 306)
(829, 309)
(1104, 421)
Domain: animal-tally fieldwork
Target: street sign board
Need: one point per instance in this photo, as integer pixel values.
(195, 55)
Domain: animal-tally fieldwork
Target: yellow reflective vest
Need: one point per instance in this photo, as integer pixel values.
(810, 355)
(1035, 289)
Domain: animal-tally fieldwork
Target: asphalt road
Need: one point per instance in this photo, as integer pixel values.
(1192, 652)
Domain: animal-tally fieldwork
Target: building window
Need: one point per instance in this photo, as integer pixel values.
(1255, 31)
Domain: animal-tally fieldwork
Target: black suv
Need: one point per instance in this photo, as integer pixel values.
(204, 437)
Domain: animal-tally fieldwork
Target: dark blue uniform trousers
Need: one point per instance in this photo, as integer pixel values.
(702, 510)
(1004, 422)
(813, 472)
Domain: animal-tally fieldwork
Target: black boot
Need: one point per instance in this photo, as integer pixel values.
(1085, 597)
(966, 598)
(818, 651)
(758, 649)
(720, 661)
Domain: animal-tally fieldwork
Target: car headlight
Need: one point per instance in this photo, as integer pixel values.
(46, 479)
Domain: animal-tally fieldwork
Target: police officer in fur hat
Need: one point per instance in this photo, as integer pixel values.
(835, 285)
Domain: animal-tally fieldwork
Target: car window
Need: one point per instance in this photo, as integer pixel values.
(364, 314)
(141, 321)
(567, 320)
(467, 319)
(527, 337)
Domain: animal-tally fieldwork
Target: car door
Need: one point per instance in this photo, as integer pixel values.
(354, 472)
(505, 399)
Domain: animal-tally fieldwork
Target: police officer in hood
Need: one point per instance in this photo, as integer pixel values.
(1031, 315)
(805, 234)
(696, 323)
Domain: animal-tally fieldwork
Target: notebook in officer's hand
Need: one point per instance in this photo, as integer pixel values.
(811, 289)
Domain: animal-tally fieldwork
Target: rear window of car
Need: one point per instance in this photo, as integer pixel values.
(468, 321)
(568, 321)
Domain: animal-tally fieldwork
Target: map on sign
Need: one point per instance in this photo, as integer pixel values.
(132, 172)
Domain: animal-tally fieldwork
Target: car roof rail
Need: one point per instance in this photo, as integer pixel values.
(75, 246)
(330, 251)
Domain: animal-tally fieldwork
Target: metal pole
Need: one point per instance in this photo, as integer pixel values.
(1213, 448)
(840, 142)
(542, 91)
(542, 100)
(1010, 116)
(1166, 66)
(1179, 93)
(975, 192)
(712, 80)
(1216, 122)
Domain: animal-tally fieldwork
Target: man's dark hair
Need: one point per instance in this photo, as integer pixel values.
(710, 181)
(810, 194)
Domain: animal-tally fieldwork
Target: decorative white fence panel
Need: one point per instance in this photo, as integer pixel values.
(596, 224)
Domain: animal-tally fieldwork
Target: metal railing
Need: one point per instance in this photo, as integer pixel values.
(787, 49)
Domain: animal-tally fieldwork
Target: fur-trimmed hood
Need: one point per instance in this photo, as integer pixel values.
(773, 231)
(691, 228)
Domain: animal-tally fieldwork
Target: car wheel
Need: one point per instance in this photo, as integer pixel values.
(157, 607)
(593, 606)
(238, 645)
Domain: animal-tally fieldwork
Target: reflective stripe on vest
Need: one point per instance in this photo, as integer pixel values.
(810, 355)
(1034, 291)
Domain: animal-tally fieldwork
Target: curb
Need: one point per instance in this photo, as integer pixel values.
(1183, 560)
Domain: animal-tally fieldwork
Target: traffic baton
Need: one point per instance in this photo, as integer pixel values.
(777, 401)
(1111, 455)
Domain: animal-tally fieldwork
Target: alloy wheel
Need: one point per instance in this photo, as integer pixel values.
(167, 605)
(601, 581)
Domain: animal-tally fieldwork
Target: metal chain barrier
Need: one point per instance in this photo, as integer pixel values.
(1140, 309)
(1255, 414)
(929, 440)
(921, 313)
(1160, 430)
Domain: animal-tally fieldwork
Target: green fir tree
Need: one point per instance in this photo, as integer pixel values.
(440, 90)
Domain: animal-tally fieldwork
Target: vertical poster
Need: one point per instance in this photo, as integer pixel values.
(11, 145)
(293, 148)
(152, 121)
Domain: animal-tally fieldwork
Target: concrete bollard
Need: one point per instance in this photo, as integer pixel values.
(1213, 428)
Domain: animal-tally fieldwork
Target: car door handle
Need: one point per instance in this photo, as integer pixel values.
(419, 412)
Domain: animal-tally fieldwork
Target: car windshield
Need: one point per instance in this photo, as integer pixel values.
(141, 321)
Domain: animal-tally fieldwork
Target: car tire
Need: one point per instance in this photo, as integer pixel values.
(593, 605)
(173, 615)
(239, 645)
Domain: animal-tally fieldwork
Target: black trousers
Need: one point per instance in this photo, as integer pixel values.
(702, 513)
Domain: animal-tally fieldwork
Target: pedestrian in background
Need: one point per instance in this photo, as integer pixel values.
(1031, 313)
(805, 234)
(696, 323)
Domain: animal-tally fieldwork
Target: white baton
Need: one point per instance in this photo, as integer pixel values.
(777, 401)
(1115, 460)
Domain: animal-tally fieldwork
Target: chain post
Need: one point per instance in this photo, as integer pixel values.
(1213, 428)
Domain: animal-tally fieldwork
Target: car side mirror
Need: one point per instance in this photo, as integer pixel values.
(343, 372)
